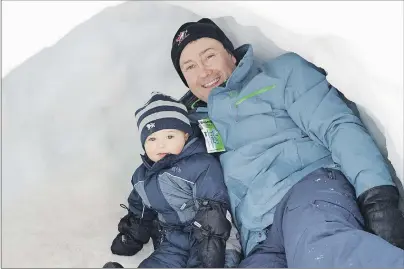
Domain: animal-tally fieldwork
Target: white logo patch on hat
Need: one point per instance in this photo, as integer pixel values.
(181, 36)
(150, 125)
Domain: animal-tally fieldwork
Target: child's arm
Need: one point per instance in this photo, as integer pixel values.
(211, 228)
(138, 209)
(135, 229)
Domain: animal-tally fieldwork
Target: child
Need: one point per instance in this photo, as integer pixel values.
(182, 186)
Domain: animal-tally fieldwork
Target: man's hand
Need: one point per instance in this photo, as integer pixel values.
(379, 207)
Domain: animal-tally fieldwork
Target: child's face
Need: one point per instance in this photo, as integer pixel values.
(163, 142)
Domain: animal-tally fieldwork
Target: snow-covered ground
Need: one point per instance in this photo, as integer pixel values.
(69, 139)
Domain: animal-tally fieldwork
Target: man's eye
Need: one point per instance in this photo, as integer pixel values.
(170, 137)
(210, 56)
(189, 67)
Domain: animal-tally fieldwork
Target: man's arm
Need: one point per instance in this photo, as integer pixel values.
(315, 106)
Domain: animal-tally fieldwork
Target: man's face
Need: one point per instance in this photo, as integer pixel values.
(206, 64)
(163, 142)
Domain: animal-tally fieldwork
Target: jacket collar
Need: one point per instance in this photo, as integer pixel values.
(247, 68)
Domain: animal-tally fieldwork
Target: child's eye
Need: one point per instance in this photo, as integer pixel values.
(151, 139)
(170, 136)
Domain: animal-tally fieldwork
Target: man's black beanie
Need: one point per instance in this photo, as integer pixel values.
(192, 31)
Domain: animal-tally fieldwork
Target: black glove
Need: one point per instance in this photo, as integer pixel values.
(379, 207)
(211, 229)
(156, 234)
(133, 234)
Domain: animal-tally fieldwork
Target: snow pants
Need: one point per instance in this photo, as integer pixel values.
(173, 252)
(318, 224)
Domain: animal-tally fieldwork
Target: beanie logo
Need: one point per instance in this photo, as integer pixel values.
(181, 36)
(150, 125)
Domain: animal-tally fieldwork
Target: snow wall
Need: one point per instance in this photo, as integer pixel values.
(69, 138)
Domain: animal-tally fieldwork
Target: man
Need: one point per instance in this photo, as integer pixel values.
(298, 162)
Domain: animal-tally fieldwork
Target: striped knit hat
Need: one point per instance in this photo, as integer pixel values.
(161, 112)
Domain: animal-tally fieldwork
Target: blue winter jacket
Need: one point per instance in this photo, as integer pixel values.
(174, 186)
(279, 121)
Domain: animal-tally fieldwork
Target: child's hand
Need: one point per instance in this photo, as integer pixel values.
(211, 229)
